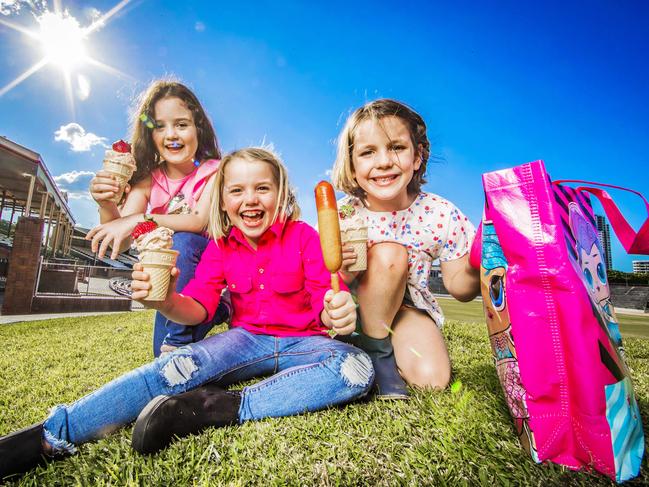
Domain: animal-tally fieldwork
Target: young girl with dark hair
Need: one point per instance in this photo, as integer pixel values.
(177, 156)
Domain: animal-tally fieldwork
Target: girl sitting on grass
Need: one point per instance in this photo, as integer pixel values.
(272, 263)
(381, 164)
(177, 157)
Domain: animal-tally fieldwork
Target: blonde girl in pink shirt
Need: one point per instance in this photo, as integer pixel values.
(177, 155)
(283, 308)
(381, 164)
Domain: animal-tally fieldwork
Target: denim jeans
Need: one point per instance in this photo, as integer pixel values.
(306, 374)
(190, 247)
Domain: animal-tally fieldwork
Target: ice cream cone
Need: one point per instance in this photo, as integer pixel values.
(357, 238)
(158, 264)
(121, 166)
(121, 181)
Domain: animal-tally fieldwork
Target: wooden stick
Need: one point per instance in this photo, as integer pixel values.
(335, 282)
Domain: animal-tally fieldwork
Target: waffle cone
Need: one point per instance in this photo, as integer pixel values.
(357, 238)
(123, 170)
(121, 181)
(158, 264)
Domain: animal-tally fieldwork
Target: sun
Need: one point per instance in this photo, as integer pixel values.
(63, 43)
(62, 40)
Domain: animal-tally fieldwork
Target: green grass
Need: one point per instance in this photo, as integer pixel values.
(631, 326)
(438, 438)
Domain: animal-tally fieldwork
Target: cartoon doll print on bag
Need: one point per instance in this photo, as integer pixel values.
(493, 283)
(622, 411)
(590, 263)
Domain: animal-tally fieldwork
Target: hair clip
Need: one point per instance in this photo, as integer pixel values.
(144, 118)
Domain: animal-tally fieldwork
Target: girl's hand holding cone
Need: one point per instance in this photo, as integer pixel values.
(141, 285)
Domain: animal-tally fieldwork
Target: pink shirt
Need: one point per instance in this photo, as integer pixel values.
(276, 290)
(179, 195)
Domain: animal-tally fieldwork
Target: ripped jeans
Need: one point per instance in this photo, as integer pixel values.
(190, 247)
(306, 374)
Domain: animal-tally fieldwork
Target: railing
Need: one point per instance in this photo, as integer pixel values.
(71, 279)
(4, 265)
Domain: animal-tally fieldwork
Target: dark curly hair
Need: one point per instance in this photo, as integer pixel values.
(144, 150)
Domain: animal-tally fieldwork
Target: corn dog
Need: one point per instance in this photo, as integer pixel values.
(329, 229)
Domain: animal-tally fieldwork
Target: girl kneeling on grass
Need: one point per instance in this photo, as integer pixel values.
(282, 304)
(177, 155)
(381, 164)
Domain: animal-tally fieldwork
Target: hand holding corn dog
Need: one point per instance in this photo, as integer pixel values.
(339, 312)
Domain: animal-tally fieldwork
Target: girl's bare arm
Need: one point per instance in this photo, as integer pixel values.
(460, 279)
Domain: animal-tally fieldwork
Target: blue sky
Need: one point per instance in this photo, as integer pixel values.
(498, 84)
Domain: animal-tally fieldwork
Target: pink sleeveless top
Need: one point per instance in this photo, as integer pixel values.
(172, 196)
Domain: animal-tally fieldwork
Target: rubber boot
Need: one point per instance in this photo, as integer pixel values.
(21, 451)
(166, 417)
(387, 381)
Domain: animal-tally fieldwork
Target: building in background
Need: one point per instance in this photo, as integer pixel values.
(641, 266)
(604, 231)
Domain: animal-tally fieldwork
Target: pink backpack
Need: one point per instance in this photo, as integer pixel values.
(552, 328)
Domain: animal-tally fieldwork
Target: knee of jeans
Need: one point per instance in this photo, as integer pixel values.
(54, 427)
(356, 370)
(179, 369)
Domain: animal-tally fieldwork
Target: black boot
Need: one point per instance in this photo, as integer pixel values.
(388, 382)
(21, 451)
(190, 412)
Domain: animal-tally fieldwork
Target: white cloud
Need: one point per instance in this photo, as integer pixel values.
(9, 7)
(72, 176)
(80, 196)
(79, 140)
(93, 13)
(324, 175)
(83, 87)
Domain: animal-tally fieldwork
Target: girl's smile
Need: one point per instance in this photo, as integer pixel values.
(384, 161)
(175, 136)
(250, 197)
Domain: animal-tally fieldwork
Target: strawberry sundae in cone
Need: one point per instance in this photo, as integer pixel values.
(120, 163)
(156, 256)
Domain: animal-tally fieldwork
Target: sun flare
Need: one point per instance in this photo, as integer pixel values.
(62, 40)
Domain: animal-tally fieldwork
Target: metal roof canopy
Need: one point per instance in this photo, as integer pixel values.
(17, 163)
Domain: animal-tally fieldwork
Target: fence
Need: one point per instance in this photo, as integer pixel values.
(67, 278)
(4, 264)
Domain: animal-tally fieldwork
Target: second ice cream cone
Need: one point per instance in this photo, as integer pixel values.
(357, 238)
(158, 264)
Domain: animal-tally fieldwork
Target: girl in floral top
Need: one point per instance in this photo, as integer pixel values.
(381, 164)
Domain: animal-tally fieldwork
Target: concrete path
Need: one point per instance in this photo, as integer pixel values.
(18, 318)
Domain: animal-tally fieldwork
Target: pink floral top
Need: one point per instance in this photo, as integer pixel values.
(179, 196)
(431, 228)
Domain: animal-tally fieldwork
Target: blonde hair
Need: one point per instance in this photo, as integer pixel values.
(343, 171)
(287, 208)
